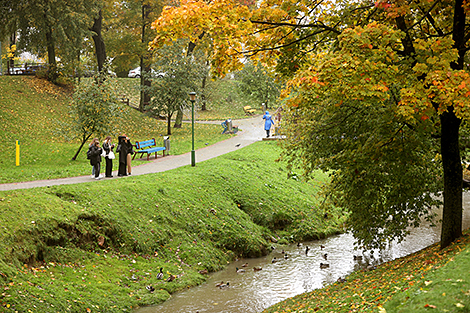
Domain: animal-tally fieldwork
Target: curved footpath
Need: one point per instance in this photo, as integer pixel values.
(251, 130)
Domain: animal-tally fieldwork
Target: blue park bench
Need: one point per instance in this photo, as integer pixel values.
(148, 147)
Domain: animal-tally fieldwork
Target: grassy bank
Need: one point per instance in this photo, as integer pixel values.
(96, 246)
(29, 111)
(223, 101)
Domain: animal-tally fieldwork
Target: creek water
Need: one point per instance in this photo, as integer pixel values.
(253, 291)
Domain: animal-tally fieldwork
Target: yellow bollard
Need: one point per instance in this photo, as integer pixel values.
(17, 153)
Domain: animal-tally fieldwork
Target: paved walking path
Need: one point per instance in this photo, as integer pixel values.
(251, 131)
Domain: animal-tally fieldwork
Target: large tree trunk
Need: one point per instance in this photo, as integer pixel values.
(144, 64)
(100, 48)
(50, 43)
(179, 118)
(450, 151)
(11, 62)
(144, 82)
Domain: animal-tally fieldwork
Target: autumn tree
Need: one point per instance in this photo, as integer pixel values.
(93, 112)
(129, 33)
(46, 26)
(177, 75)
(378, 97)
(258, 85)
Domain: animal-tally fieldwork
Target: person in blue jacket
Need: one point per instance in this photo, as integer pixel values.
(267, 123)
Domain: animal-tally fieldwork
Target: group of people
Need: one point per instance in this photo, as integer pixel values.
(125, 149)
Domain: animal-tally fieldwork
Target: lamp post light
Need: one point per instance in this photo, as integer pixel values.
(192, 98)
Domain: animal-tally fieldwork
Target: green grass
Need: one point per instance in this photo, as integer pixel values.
(29, 109)
(222, 100)
(69, 248)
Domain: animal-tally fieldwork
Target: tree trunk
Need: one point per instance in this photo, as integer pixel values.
(11, 62)
(179, 118)
(168, 126)
(100, 48)
(50, 45)
(144, 64)
(144, 82)
(203, 94)
(85, 139)
(450, 151)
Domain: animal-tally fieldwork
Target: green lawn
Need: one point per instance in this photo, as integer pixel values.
(76, 247)
(29, 112)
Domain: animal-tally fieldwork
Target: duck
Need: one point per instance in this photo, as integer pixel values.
(274, 260)
(341, 280)
(322, 247)
(219, 284)
(282, 252)
(324, 265)
(285, 256)
(299, 244)
(245, 265)
(160, 275)
(257, 268)
(203, 272)
(325, 256)
(306, 250)
(223, 286)
(357, 257)
(171, 278)
(150, 288)
(241, 270)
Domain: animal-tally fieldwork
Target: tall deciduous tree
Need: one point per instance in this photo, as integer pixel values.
(258, 85)
(129, 33)
(400, 64)
(47, 26)
(92, 112)
(177, 75)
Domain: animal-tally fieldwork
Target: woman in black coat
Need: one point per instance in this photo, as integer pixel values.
(130, 152)
(122, 150)
(108, 148)
(95, 157)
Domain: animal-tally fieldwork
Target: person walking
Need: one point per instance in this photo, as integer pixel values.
(109, 156)
(130, 152)
(268, 123)
(122, 150)
(95, 157)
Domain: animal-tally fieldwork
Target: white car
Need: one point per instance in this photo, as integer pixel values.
(135, 73)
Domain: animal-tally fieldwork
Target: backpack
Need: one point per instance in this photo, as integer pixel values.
(88, 154)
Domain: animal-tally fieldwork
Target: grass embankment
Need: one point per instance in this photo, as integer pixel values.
(222, 100)
(29, 109)
(96, 246)
(420, 282)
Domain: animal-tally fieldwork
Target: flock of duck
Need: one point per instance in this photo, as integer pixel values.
(225, 285)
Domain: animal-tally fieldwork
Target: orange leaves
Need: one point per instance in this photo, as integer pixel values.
(224, 22)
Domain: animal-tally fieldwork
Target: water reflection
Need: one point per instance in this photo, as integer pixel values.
(254, 291)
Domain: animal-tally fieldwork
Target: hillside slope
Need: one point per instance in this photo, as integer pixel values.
(30, 109)
(78, 246)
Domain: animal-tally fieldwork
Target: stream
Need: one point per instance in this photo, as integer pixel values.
(254, 291)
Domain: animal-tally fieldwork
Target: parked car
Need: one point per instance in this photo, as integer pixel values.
(135, 73)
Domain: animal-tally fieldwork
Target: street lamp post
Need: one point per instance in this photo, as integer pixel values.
(192, 98)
